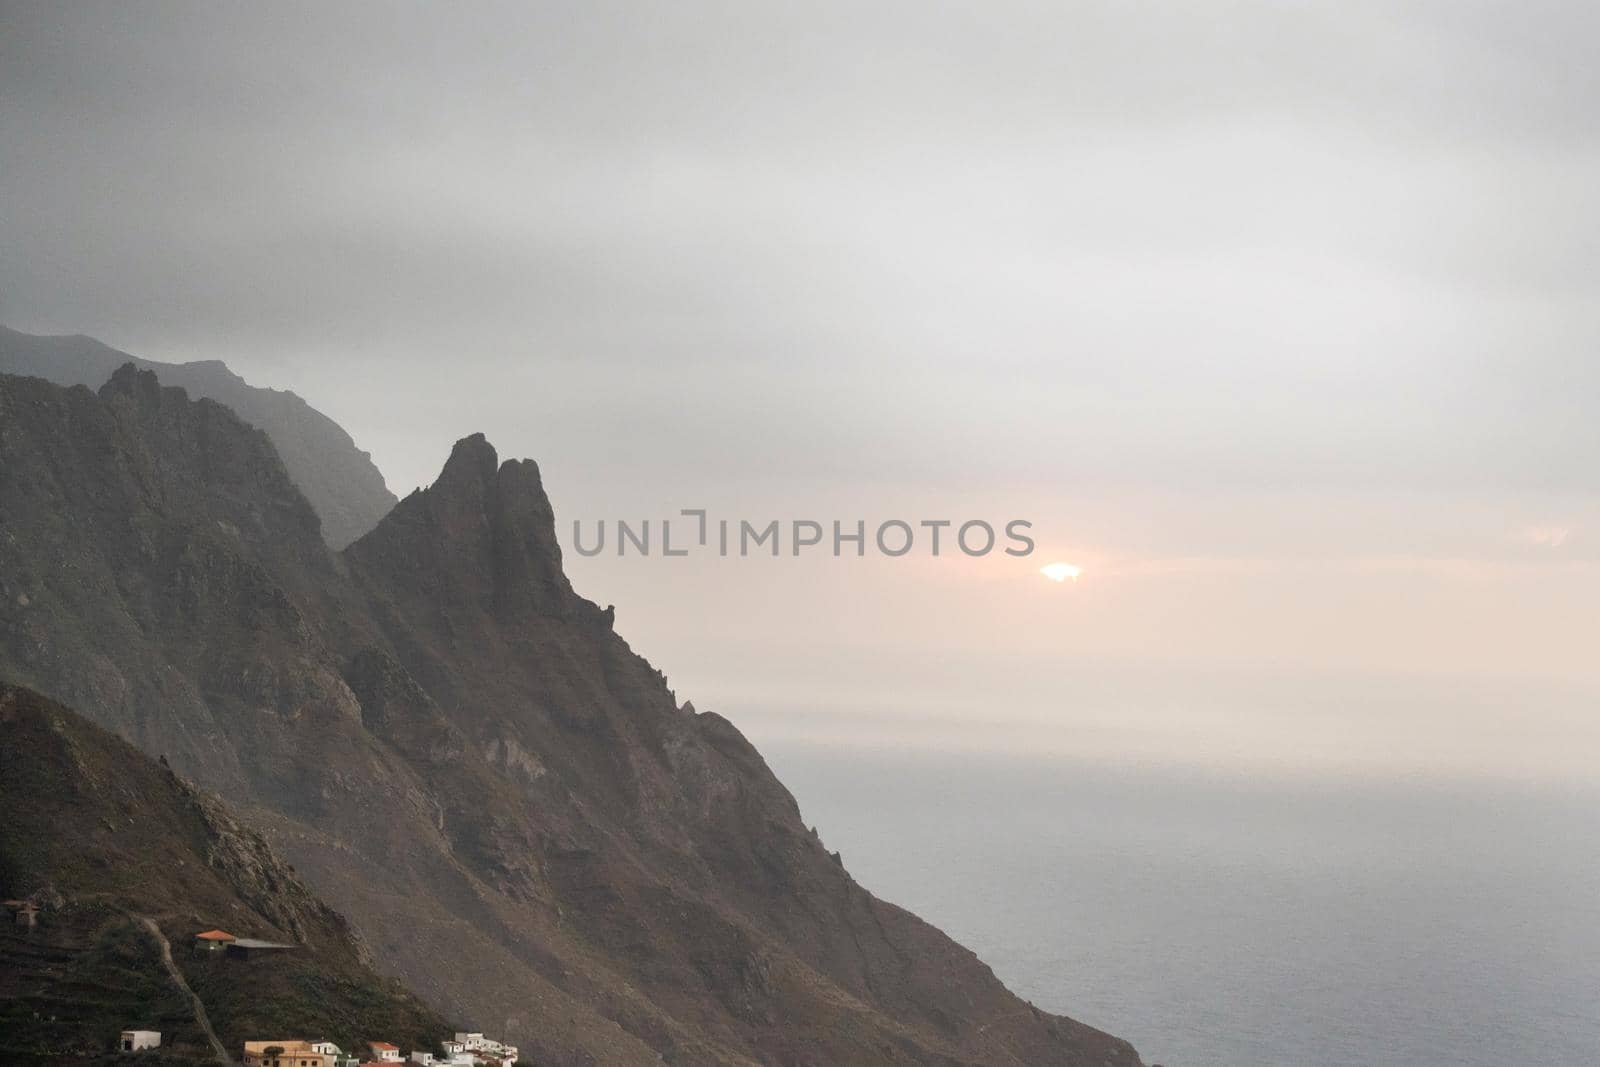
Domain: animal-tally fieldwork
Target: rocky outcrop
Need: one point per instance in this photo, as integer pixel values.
(341, 482)
(459, 752)
(479, 541)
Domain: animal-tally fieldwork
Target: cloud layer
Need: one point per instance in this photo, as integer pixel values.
(1249, 282)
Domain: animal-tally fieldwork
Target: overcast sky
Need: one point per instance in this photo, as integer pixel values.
(1280, 319)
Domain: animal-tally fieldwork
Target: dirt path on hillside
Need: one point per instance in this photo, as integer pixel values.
(178, 979)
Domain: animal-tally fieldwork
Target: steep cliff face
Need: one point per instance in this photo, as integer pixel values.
(105, 840)
(341, 481)
(459, 753)
(149, 546)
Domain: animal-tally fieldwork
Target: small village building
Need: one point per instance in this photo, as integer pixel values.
(291, 1053)
(138, 1040)
(212, 940)
(482, 1049)
(383, 1052)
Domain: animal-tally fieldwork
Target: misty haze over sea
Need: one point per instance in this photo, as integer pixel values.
(1225, 921)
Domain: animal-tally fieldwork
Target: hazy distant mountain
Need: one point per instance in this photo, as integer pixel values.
(458, 752)
(339, 479)
(106, 841)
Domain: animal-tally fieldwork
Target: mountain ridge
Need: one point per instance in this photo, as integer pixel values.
(460, 753)
(338, 478)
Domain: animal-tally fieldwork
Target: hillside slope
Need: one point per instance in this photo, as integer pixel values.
(108, 842)
(341, 482)
(461, 754)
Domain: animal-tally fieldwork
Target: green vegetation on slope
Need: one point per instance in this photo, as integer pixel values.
(100, 835)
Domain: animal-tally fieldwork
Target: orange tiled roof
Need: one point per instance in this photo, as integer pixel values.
(384, 1045)
(214, 935)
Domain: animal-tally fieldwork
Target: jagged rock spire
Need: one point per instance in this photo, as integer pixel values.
(483, 533)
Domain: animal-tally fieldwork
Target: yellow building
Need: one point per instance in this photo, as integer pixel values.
(290, 1054)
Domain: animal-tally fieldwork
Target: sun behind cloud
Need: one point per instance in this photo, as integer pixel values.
(1060, 572)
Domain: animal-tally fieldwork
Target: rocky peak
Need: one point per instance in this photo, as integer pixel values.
(483, 534)
(202, 457)
(473, 461)
(139, 385)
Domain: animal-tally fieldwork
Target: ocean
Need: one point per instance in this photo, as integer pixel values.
(1220, 921)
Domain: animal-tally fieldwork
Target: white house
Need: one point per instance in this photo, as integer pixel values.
(455, 1055)
(138, 1040)
(480, 1048)
(383, 1052)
